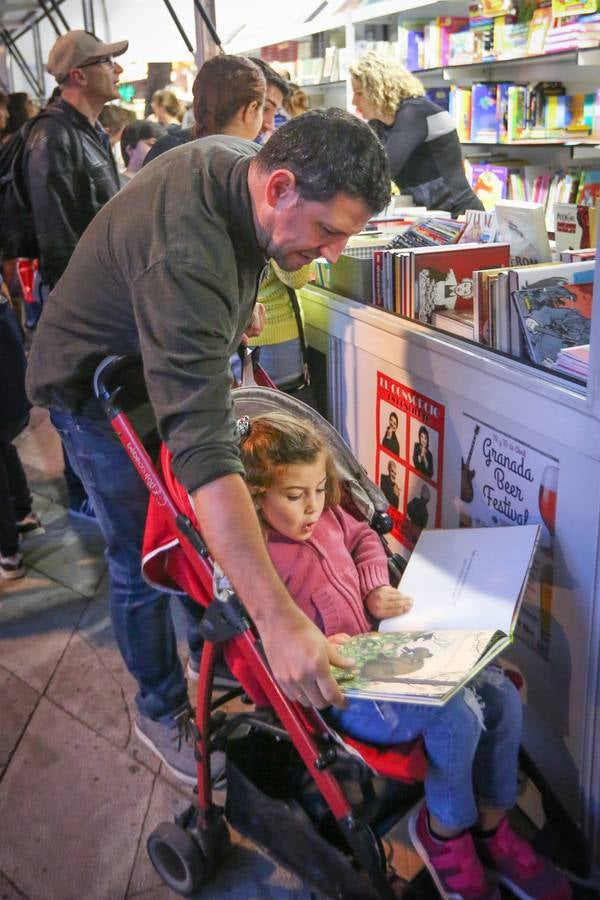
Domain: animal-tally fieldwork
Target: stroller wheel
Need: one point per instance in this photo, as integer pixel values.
(177, 858)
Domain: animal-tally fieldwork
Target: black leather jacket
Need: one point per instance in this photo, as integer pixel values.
(67, 184)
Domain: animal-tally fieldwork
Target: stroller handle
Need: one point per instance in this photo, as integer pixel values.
(104, 375)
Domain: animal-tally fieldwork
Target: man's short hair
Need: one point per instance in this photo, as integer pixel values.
(271, 76)
(330, 151)
(114, 118)
(140, 130)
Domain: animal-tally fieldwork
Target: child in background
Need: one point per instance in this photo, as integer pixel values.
(335, 567)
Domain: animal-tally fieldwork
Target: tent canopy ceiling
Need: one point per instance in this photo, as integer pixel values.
(16, 14)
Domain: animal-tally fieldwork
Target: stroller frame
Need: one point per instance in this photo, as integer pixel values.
(185, 853)
(227, 621)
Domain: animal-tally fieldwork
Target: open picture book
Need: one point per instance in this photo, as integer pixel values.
(467, 586)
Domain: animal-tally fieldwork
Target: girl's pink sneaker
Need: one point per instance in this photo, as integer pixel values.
(514, 862)
(453, 864)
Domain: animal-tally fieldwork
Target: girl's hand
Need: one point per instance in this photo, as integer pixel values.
(338, 640)
(257, 322)
(385, 601)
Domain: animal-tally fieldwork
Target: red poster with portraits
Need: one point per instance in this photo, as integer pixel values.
(408, 465)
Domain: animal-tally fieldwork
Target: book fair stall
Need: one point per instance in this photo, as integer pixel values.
(481, 354)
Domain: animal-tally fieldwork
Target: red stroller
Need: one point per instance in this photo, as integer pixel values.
(291, 788)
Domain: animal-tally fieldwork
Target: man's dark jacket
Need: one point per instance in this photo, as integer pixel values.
(67, 184)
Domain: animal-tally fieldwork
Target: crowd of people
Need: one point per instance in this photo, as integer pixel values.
(166, 258)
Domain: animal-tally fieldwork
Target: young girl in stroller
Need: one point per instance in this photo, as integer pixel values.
(336, 569)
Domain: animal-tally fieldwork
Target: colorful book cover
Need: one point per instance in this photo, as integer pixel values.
(495, 7)
(481, 227)
(574, 226)
(515, 112)
(538, 28)
(573, 7)
(443, 279)
(589, 188)
(489, 183)
(554, 318)
(523, 226)
(414, 50)
(448, 26)
(502, 110)
(460, 110)
(461, 48)
(484, 113)
(440, 96)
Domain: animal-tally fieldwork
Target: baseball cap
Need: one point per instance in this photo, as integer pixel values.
(78, 48)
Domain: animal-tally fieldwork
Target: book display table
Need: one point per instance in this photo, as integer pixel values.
(460, 436)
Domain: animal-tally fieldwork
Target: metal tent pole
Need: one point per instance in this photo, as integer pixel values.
(180, 27)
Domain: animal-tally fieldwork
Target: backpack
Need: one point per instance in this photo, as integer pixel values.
(17, 228)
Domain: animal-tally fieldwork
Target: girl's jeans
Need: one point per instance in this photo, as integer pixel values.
(140, 614)
(472, 743)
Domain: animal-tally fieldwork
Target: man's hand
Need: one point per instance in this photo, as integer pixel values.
(338, 640)
(256, 323)
(300, 657)
(385, 602)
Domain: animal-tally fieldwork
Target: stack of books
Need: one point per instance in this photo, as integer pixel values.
(429, 233)
(574, 361)
(532, 312)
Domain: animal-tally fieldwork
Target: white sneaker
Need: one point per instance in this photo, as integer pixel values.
(12, 566)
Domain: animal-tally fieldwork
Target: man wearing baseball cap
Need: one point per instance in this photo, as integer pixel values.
(69, 167)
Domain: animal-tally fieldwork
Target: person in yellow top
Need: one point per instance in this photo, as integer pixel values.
(282, 346)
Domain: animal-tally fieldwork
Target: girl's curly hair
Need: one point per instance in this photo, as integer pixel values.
(277, 440)
(385, 82)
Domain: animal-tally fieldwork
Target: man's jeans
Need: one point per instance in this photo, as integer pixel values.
(15, 496)
(140, 614)
(472, 743)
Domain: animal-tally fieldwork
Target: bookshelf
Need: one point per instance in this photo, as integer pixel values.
(376, 24)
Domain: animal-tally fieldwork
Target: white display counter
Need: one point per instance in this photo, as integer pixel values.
(528, 440)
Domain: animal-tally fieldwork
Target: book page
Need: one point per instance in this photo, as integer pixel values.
(414, 667)
(466, 578)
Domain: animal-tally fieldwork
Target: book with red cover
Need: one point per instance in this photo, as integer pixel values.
(442, 278)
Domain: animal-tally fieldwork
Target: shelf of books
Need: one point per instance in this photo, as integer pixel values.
(519, 78)
(479, 365)
(494, 279)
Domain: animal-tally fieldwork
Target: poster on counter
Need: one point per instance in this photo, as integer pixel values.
(504, 481)
(408, 465)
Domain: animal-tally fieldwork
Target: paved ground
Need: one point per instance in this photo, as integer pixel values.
(78, 793)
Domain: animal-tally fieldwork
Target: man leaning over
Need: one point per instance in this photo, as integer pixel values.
(169, 268)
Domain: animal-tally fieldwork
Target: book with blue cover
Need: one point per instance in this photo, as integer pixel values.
(554, 318)
(439, 96)
(484, 114)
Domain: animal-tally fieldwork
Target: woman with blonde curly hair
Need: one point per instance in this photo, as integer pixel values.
(419, 137)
